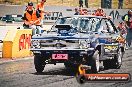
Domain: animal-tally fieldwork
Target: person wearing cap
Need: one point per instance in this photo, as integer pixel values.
(128, 23)
(40, 9)
(32, 18)
(86, 3)
(80, 3)
(120, 4)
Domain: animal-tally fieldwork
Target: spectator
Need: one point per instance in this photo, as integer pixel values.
(128, 23)
(32, 19)
(40, 9)
(76, 11)
(86, 3)
(121, 27)
(80, 3)
(100, 12)
(123, 32)
(120, 4)
(108, 3)
(84, 12)
(80, 11)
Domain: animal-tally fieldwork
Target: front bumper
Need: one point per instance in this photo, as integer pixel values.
(71, 52)
(74, 55)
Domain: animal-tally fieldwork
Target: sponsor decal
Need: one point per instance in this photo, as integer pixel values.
(24, 41)
(104, 77)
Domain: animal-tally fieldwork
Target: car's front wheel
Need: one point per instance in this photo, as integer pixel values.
(118, 59)
(114, 63)
(94, 62)
(39, 63)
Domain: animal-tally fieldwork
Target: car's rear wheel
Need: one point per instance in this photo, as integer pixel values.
(39, 63)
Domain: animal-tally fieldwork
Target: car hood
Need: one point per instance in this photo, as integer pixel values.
(53, 35)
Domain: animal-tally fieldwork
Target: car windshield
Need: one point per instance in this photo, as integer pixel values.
(81, 23)
(89, 24)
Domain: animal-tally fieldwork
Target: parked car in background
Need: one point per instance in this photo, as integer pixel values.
(12, 18)
(17, 18)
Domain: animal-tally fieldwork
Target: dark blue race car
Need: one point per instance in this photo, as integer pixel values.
(81, 39)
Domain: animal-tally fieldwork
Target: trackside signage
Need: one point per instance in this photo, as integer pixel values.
(24, 41)
(52, 16)
(17, 43)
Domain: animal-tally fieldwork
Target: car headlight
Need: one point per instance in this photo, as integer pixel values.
(83, 44)
(35, 44)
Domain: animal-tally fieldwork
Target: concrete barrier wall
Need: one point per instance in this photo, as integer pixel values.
(11, 9)
(17, 43)
(3, 33)
(66, 11)
(57, 11)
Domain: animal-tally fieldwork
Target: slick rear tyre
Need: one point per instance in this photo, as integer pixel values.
(39, 63)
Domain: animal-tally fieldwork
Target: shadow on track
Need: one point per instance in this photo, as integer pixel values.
(63, 72)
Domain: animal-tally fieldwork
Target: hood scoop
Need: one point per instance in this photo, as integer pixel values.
(65, 30)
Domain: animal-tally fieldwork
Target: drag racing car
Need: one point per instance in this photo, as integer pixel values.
(80, 39)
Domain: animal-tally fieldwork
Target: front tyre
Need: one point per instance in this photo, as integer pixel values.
(114, 63)
(118, 59)
(94, 62)
(39, 63)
